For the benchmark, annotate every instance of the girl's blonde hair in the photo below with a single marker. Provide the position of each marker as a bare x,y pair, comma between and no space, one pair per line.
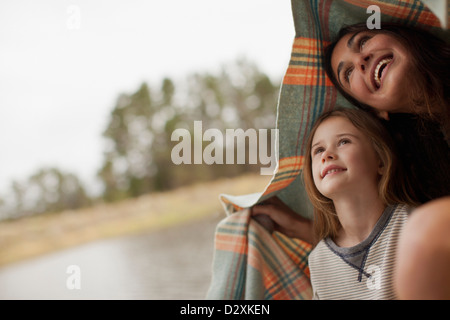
393,187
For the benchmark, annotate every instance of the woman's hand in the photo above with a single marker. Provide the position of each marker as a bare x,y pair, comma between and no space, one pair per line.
275,215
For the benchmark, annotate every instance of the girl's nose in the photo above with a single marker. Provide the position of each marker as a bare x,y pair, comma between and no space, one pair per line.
328,155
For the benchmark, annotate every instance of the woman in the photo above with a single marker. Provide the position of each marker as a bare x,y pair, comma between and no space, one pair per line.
400,74
395,69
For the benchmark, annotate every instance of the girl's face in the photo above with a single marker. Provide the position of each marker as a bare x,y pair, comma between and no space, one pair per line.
376,69
343,159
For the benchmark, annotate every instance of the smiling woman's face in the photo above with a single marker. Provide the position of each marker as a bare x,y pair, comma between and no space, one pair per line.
376,69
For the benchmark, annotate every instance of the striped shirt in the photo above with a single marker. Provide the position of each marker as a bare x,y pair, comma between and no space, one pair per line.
364,271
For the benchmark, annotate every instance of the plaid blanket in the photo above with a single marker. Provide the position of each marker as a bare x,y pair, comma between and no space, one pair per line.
263,266
250,263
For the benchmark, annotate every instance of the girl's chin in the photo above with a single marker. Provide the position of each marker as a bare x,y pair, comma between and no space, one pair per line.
330,192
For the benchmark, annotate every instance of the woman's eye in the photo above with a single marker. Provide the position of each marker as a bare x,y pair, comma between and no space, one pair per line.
362,42
347,74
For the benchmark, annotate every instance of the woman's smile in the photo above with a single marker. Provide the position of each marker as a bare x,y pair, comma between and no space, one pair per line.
381,69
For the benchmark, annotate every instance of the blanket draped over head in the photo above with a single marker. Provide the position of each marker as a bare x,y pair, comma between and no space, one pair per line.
249,262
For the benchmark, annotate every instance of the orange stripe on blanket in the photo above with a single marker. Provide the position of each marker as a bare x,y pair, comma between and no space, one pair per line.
307,51
308,43
232,232
286,175
278,186
300,71
288,170
298,77
291,163
289,166
287,280
232,243
428,18
300,252
230,205
235,206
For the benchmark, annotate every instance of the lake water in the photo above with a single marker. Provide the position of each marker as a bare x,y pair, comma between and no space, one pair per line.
169,264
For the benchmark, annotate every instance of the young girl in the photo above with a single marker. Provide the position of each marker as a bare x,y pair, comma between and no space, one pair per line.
354,183
352,179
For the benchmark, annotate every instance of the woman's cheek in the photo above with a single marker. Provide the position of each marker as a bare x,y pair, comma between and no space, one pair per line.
360,91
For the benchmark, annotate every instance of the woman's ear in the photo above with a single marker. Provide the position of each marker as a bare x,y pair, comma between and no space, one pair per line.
383,114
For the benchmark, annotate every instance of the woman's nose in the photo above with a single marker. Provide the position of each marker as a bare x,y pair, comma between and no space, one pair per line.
363,62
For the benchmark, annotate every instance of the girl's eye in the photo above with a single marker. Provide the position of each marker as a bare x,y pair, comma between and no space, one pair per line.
318,150
343,141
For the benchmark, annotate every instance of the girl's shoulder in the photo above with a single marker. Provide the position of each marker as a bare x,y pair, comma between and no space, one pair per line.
323,252
318,250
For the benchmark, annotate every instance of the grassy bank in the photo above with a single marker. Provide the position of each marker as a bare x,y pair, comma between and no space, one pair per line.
32,236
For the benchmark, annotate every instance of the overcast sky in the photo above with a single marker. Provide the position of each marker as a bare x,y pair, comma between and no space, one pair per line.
63,64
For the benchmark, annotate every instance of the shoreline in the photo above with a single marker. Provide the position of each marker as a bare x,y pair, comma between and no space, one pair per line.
33,236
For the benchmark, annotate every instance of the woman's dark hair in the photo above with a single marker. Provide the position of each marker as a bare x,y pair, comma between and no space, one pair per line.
431,57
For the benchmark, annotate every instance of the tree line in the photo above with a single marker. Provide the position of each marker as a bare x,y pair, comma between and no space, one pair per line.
137,153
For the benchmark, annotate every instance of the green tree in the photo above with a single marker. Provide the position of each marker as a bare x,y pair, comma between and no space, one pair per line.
239,96
47,190
137,158
127,167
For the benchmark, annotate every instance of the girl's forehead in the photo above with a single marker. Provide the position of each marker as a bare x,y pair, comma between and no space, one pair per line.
333,126
334,123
